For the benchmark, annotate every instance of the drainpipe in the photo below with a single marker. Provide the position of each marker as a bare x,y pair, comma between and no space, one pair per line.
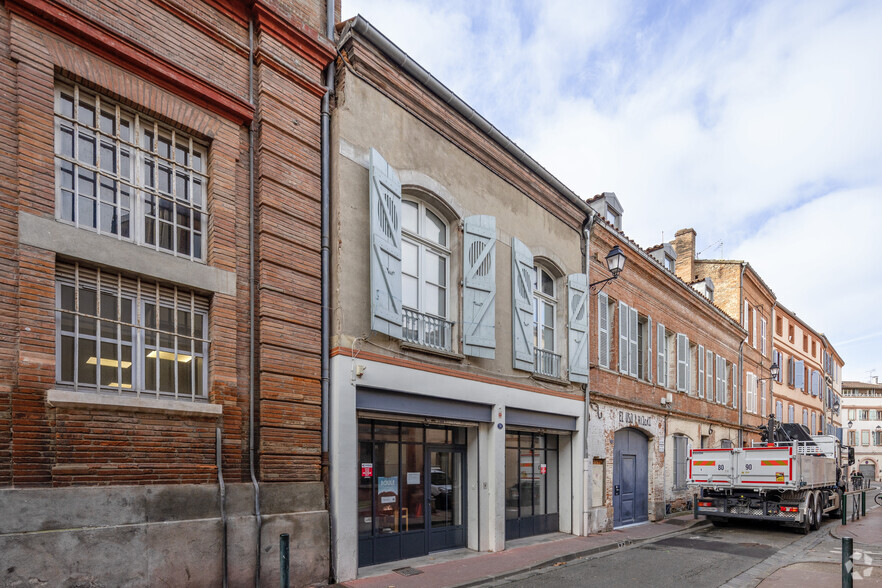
780,367
741,357
218,442
251,295
326,268
586,470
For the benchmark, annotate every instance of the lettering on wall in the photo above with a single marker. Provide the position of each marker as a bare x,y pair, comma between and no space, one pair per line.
631,418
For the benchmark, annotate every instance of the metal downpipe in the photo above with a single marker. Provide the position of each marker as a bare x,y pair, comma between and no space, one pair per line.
586,470
251,295
218,443
326,269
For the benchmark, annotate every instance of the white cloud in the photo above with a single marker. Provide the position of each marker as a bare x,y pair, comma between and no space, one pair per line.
757,125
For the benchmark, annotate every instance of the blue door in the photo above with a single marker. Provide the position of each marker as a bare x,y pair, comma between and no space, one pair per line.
630,478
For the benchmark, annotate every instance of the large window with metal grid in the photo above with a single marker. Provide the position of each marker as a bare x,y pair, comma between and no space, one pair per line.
122,174
126,336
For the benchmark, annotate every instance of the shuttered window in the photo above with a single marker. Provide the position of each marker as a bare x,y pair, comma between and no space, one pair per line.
662,356
129,337
603,343
680,454
479,286
701,371
682,363
709,374
577,324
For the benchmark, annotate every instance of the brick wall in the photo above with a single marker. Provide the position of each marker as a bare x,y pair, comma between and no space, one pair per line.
186,65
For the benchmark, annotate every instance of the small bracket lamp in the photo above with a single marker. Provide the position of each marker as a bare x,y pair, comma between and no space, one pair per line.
615,261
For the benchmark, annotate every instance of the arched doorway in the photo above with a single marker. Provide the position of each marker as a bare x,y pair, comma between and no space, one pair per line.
630,478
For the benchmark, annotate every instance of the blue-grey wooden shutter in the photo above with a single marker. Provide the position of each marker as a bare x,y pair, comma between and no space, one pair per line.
682,372
649,354
479,287
624,333
577,294
660,350
701,371
633,356
521,306
385,224
603,329
799,374
709,375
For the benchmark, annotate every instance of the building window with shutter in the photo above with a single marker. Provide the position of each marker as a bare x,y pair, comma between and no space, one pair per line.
547,362
763,335
121,174
129,336
779,411
805,420
709,375
425,272
865,437
681,452
604,312
750,392
790,414
852,437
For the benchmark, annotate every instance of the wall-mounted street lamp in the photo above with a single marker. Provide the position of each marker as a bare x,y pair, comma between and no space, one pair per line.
850,424
774,370
615,261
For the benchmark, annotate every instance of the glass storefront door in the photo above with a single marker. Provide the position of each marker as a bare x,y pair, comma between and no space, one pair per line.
411,497
531,484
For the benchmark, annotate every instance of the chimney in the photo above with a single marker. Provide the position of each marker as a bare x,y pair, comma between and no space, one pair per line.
684,245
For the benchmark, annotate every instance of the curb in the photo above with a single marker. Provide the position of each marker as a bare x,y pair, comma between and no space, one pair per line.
576,555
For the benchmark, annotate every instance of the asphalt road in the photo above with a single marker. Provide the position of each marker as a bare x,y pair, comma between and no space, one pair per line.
705,557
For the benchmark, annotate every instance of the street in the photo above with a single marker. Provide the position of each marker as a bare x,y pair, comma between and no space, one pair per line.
737,556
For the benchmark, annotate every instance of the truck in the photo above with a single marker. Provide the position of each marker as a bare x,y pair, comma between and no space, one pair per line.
790,477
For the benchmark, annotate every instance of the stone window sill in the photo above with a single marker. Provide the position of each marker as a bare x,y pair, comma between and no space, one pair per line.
90,400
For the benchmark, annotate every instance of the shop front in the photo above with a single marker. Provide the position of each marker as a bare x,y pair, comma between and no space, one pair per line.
531,484
411,490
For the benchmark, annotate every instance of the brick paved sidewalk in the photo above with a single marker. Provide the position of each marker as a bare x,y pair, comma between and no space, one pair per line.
468,568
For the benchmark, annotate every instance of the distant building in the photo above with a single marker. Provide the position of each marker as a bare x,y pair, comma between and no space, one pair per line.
862,407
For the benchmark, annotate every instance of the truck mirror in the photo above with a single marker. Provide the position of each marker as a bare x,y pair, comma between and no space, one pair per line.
851,456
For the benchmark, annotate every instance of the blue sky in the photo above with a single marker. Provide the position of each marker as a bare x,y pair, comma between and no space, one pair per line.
758,124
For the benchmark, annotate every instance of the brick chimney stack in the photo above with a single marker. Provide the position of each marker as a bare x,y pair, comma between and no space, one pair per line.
684,245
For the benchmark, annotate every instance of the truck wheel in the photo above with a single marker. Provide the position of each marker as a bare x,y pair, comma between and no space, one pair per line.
808,520
819,512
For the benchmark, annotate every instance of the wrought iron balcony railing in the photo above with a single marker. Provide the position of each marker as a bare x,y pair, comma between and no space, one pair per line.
428,330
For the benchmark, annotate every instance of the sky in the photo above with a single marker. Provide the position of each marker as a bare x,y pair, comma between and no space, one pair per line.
758,124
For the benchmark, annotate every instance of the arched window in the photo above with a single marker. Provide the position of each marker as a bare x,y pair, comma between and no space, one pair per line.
544,322
425,265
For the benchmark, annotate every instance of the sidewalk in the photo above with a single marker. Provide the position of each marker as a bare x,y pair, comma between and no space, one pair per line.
469,568
867,536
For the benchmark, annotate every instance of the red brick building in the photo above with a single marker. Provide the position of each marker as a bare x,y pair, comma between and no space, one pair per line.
664,366
161,275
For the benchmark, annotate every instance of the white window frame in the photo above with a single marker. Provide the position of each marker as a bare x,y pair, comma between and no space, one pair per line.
144,342
118,133
539,300
425,246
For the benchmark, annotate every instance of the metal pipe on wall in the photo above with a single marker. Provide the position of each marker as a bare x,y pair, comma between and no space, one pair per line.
251,295
223,496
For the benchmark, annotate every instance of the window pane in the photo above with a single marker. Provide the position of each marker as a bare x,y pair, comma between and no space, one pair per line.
126,365
435,228
66,105
410,258
67,298
164,179
87,361
410,217
86,148
512,489
109,363
182,187
197,160
67,358
547,284
86,114
108,157
181,154
166,372
433,300
197,193
199,376
166,236
108,122
66,142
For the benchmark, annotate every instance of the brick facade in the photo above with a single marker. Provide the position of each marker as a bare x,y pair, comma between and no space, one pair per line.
186,66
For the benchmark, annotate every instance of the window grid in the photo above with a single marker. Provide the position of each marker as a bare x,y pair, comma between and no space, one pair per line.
115,340
544,310
114,165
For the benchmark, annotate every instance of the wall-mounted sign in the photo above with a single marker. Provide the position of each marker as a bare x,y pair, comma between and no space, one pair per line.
542,468
367,470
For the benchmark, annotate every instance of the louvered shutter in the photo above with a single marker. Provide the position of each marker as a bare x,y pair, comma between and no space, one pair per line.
660,351
385,210
633,327
603,329
791,371
577,294
799,373
754,328
682,349
688,389
623,337
763,336
746,311
479,287
701,371
718,390
521,305
649,355
709,375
